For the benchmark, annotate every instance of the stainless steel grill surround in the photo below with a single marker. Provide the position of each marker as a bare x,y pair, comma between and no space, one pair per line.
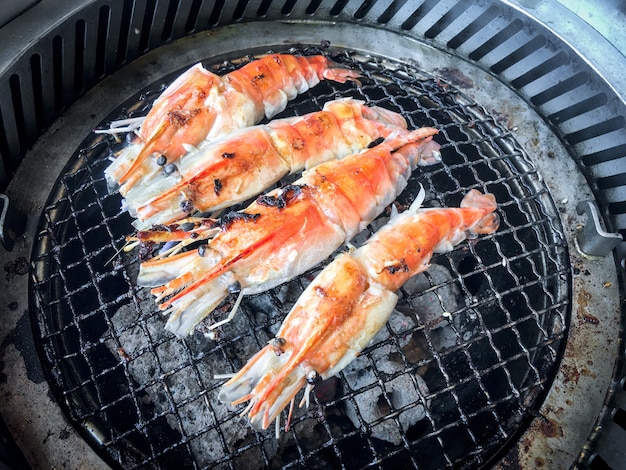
513,60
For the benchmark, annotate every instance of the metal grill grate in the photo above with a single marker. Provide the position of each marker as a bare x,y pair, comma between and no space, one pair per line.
448,382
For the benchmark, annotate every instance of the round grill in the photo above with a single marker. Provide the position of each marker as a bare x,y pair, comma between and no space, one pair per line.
455,374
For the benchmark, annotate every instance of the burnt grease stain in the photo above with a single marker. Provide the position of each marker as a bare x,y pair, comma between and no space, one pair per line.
217,186
398,267
455,77
550,428
282,198
231,217
17,267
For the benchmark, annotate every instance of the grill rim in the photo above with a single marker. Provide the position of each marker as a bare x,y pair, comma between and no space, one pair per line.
618,265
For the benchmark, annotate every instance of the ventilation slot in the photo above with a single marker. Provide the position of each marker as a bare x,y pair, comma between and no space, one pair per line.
620,418
475,26
4,153
37,95
192,18
602,156
122,46
577,109
146,27
18,110
498,39
613,181
596,130
216,13
615,208
170,17
334,11
363,10
391,11
101,42
264,8
598,463
418,14
79,41
540,70
57,72
518,55
288,7
560,88
446,20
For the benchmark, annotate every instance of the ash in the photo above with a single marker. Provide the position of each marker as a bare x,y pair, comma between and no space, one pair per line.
177,394
389,407
174,379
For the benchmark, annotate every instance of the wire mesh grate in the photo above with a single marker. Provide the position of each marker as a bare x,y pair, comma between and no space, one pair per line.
447,383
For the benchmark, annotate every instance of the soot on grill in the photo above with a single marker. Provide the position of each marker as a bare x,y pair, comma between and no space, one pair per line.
460,366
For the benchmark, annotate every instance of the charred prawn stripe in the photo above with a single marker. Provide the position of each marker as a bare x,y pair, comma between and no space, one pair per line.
230,217
190,229
280,200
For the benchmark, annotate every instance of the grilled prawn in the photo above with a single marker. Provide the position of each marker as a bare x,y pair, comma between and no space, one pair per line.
348,303
247,162
283,233
201,105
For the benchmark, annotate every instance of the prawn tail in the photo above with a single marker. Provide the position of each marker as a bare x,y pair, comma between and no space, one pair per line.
486,225
185,298
131,175
120,165
416,146
340,74
240,387
487,202
429,153
160,272
385,116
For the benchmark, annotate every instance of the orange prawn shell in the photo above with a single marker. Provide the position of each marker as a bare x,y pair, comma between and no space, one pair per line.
242,97
252,155
307,336
265,240
408,247
248,161
263,79
181,107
